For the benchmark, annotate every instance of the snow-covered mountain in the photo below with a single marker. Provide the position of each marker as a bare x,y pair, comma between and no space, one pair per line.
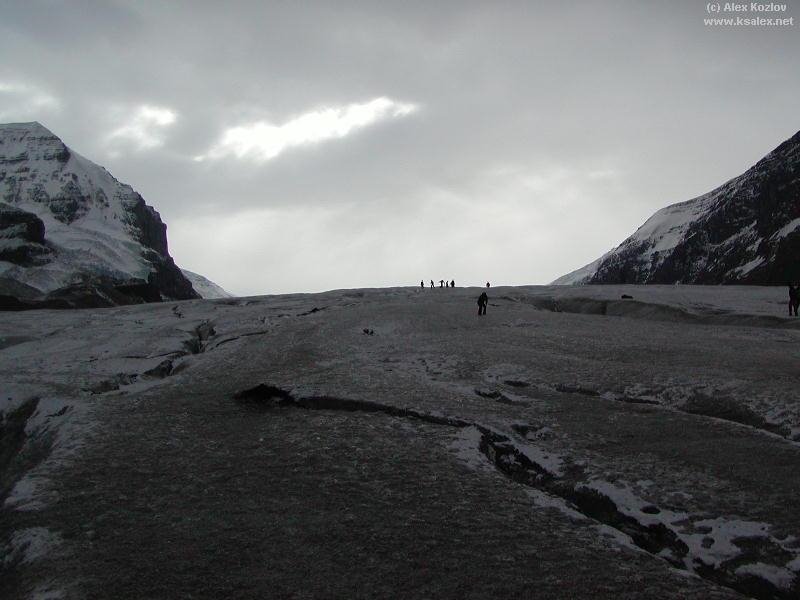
745,231
205,287
582,275
70,233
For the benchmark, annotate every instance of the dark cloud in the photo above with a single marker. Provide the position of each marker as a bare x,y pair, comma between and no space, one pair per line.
544,134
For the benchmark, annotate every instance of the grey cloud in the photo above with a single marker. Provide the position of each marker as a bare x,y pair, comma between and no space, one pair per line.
642,90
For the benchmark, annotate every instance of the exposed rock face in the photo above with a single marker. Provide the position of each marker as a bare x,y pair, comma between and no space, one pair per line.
21,237
147,226
21,224
746,231
68,227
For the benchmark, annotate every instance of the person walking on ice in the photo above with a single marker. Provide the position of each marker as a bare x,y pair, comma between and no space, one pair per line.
794,299
483,300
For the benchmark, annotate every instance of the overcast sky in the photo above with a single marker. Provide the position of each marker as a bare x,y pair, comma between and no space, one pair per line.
303,146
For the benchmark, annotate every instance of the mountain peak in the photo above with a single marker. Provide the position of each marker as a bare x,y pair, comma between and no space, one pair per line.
33,127
28,141
95,227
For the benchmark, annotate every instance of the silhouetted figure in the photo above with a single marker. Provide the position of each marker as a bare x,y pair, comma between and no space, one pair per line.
794,299
487,284
432,284
441,283
453,283
483,300
422,284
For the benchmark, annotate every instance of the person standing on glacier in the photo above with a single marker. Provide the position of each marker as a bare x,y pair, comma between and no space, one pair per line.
794,299
483,300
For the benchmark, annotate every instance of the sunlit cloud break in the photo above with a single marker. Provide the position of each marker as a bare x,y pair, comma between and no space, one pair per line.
262,141
144,128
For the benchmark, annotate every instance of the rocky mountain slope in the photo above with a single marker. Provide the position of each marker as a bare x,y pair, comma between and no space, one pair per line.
71,234
205,287
745,231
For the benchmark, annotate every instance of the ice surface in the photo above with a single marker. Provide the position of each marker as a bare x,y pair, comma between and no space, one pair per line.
564,387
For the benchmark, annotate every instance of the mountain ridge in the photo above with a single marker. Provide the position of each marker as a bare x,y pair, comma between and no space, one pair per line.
746,231
207,289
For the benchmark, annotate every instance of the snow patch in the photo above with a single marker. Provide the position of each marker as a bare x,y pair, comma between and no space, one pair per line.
466,446
26,494
749,266
777,576
32,544
711,542
549,461
790,227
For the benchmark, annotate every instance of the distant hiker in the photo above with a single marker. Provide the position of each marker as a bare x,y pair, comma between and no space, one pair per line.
422,284
441,283
794,299
487,284
432,283
483,300
453,283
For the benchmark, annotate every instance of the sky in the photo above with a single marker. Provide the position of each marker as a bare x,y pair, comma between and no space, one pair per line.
304,146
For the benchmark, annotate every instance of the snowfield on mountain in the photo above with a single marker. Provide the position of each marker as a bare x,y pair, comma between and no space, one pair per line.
391,443
205,287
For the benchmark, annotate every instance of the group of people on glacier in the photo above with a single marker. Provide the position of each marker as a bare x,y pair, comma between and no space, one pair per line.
483,299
